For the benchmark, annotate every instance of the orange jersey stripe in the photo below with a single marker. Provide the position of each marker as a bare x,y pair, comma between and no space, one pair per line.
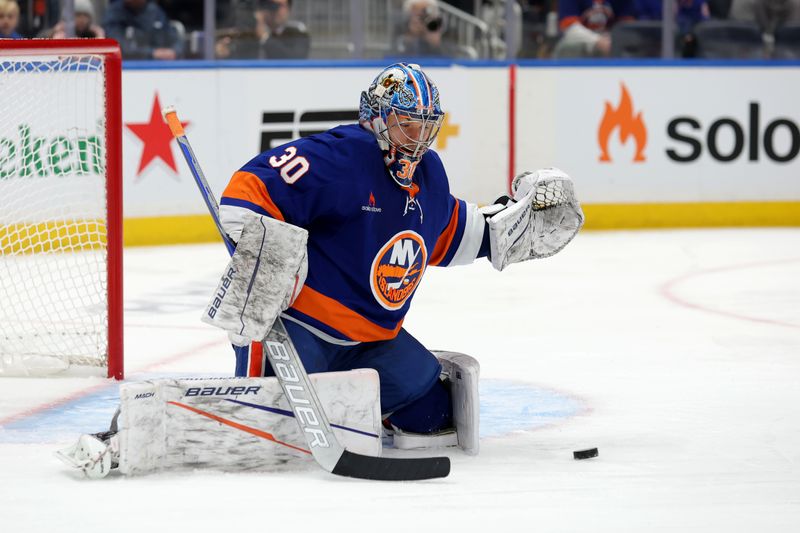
342,319
256,367
248,187
445,239
566,22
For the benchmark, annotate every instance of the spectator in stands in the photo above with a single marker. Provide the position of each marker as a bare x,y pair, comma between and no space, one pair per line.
467,6
719,9
586,24
37,16
539,28
191,12
768,14
143,30
421,32
273,37
9,19
687,14
85,28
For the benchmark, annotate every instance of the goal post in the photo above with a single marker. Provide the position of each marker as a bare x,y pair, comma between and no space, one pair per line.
60,206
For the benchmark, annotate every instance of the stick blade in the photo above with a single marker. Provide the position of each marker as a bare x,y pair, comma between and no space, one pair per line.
390,469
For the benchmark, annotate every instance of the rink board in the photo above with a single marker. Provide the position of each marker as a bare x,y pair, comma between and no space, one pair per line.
648,146
693,135
234,114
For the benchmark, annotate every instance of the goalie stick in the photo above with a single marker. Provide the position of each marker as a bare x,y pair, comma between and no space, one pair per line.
292,376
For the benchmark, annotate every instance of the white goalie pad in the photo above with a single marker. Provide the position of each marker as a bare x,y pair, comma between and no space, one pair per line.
236,424
263,278
462,373
542,220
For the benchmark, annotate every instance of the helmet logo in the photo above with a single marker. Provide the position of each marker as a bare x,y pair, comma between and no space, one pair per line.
390,81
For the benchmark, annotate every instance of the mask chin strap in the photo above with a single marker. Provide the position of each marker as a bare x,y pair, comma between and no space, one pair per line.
401,169
392,165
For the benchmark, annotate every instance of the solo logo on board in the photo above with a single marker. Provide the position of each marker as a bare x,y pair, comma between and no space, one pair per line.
624,120
725,139
694,137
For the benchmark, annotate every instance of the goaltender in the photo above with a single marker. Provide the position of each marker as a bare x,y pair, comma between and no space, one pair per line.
375,202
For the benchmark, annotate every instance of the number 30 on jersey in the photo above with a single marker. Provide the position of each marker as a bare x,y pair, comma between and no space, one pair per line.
293,166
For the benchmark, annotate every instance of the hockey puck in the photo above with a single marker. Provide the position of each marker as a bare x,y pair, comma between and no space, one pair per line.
585,454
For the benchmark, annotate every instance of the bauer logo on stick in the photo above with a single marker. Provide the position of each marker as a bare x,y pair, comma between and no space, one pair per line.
299,397
397,269
222,290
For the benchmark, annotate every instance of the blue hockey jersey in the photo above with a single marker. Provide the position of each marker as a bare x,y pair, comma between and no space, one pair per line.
370,240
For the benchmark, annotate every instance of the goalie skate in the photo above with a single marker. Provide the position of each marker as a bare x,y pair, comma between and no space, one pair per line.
461,373
405,440
95,455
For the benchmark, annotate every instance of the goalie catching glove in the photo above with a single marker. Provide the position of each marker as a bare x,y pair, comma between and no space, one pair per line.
540,219
263,279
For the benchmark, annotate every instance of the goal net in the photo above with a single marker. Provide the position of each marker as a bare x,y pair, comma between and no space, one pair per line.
60,207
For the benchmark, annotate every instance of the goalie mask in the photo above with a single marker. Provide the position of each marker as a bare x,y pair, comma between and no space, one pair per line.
401,108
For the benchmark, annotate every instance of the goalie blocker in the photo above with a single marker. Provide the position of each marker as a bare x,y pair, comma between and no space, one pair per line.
264,276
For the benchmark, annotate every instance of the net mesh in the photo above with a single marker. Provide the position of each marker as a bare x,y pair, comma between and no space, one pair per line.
53,265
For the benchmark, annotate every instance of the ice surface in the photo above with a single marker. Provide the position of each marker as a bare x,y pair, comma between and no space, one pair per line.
676,353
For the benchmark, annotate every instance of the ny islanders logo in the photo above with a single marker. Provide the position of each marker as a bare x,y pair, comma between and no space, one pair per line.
397,269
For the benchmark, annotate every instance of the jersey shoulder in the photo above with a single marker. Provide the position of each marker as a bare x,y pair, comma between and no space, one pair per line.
435,175
338,156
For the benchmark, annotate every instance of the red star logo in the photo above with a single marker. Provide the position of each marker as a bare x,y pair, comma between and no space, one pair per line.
157,139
